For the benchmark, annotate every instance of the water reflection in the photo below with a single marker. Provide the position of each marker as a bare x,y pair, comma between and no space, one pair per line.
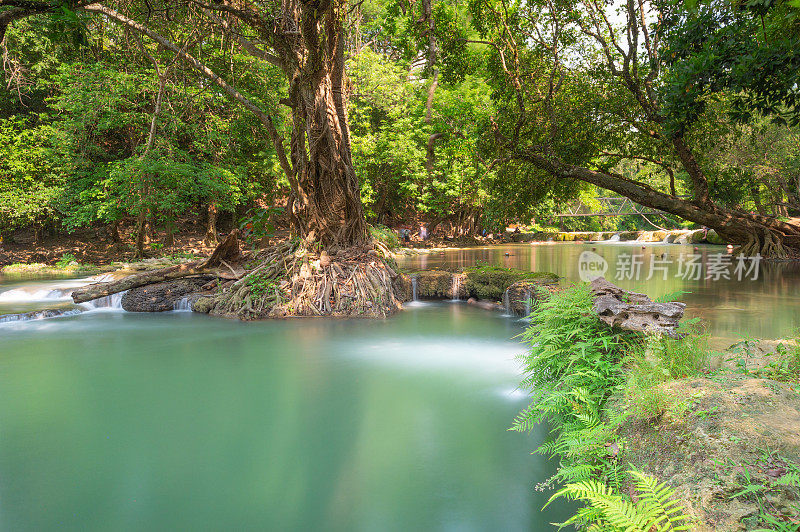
767,307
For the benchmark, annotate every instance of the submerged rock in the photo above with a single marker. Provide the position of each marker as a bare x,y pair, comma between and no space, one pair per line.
488,283
162,297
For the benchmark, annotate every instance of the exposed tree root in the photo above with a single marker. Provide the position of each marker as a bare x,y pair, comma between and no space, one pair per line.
769,244
289,280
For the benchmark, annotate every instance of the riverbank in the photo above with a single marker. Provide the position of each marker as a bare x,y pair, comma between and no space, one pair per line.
694,236
719,429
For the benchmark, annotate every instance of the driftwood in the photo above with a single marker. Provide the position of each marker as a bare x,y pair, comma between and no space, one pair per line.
634,312
215,264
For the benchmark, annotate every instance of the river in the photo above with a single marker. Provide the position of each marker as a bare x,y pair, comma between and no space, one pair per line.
121,421
177,421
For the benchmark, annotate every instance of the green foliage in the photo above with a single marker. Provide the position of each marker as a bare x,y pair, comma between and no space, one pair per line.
261,285
258,224
385,236
65,260
572,368
782,364
747,50
655,509
575,366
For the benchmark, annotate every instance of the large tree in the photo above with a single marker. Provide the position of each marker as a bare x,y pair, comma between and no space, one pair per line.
305,39
580,88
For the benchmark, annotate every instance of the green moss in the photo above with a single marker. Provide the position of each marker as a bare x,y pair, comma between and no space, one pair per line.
489,282
434,284
714,238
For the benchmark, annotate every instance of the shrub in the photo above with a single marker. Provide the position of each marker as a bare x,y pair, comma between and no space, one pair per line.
385,236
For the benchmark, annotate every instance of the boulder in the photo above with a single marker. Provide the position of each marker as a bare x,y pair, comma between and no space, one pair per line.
402,287
434,284
163,296
713,238
635,312
491,282
523,296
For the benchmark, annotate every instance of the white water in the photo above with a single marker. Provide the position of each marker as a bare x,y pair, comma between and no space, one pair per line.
507,303
38,315
413,288
456,288
40,291
182,305
42,298
614,238
112,302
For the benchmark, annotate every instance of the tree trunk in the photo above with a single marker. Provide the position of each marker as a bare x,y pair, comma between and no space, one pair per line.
754,233
211,236
140,233
113,232
326,203
308,45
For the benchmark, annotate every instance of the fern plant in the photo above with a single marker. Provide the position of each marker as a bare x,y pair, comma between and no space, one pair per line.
573,365
655,509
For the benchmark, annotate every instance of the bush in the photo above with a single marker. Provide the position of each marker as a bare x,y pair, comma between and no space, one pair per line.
385,236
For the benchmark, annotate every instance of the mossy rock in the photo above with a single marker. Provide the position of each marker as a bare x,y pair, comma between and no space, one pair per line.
523,296
713,238
434,284
697,236
490,282
203,305
628,235
402,287
652,236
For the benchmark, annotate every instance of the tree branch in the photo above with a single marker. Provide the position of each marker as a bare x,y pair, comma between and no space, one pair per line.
265,119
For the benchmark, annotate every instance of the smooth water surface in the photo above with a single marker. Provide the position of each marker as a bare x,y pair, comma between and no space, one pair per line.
175,421
120,421
768,307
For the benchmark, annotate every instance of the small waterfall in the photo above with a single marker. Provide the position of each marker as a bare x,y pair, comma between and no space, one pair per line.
38,315
182,305
507,302
413,288
456,287
48,294
114,301
614,238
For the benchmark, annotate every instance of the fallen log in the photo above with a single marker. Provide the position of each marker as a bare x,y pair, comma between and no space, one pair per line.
225,251
634,312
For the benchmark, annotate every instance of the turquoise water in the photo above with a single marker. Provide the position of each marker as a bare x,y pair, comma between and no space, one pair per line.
176,421
120,421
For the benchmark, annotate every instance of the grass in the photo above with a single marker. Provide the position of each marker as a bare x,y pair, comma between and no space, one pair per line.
66,265
781,365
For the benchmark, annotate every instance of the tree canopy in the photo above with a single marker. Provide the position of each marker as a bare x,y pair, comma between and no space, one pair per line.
465,116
